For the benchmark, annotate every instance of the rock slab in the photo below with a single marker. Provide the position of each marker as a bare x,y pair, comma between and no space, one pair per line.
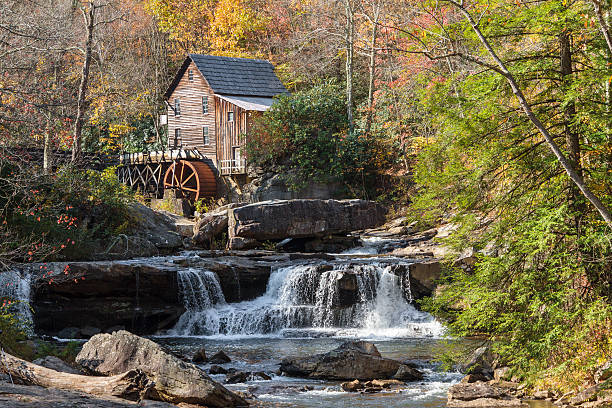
280,219
480,394
175,380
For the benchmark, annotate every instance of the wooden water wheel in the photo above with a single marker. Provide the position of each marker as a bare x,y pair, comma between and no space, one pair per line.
191,180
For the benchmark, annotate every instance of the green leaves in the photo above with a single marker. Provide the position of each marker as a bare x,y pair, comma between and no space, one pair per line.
305,137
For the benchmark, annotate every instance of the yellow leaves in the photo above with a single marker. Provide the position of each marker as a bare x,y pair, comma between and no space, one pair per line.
116,132
417,143
221,27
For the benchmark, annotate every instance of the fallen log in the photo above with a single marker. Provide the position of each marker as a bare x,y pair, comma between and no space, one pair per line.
132,385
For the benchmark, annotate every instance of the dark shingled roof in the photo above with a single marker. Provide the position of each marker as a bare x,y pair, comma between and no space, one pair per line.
233,76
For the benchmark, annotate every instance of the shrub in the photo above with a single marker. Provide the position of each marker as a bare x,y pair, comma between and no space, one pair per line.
306,136
58,216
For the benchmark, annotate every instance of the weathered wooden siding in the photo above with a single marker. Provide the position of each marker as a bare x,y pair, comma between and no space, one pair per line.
191,119
229,134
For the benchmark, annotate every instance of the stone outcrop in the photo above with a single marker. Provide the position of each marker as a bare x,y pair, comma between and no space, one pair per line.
210,227
98,296
149,233
277,220
175,380
156,227
352,360
480,394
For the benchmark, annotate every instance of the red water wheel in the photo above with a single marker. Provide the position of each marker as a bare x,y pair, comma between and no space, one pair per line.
191,180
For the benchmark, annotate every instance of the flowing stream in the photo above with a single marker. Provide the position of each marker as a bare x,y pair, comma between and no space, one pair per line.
311,308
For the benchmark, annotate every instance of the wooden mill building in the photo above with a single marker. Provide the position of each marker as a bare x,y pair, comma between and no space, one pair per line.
211,104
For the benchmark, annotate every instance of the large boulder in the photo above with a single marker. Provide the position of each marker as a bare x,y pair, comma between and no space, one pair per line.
276,220
176,381
156,227
210,227
352,360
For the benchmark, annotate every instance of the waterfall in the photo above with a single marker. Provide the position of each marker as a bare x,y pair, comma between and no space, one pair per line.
201,291
369,298
15,288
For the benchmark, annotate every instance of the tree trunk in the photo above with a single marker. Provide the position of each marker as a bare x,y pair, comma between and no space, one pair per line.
350,34
516,90
47,149
89,17
604,22
132,385
572,140
372,66
571,137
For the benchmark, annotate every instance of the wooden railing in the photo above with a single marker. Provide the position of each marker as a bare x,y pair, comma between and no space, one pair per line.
232,166
161,156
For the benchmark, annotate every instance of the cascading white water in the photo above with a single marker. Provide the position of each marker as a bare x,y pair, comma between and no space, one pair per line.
201,291
377,302
15,288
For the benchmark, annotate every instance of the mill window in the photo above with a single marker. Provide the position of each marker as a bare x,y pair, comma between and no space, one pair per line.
205,104
177,107
177,138
205,135
230,116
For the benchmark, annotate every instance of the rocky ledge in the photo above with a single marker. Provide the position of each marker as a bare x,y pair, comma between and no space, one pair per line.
81,299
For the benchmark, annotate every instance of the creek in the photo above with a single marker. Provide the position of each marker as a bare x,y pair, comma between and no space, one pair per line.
303,312
308,307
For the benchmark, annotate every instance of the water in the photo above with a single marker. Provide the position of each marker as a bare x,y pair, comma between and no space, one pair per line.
347,299
201,291
311,308
375,245
15,288
263,353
